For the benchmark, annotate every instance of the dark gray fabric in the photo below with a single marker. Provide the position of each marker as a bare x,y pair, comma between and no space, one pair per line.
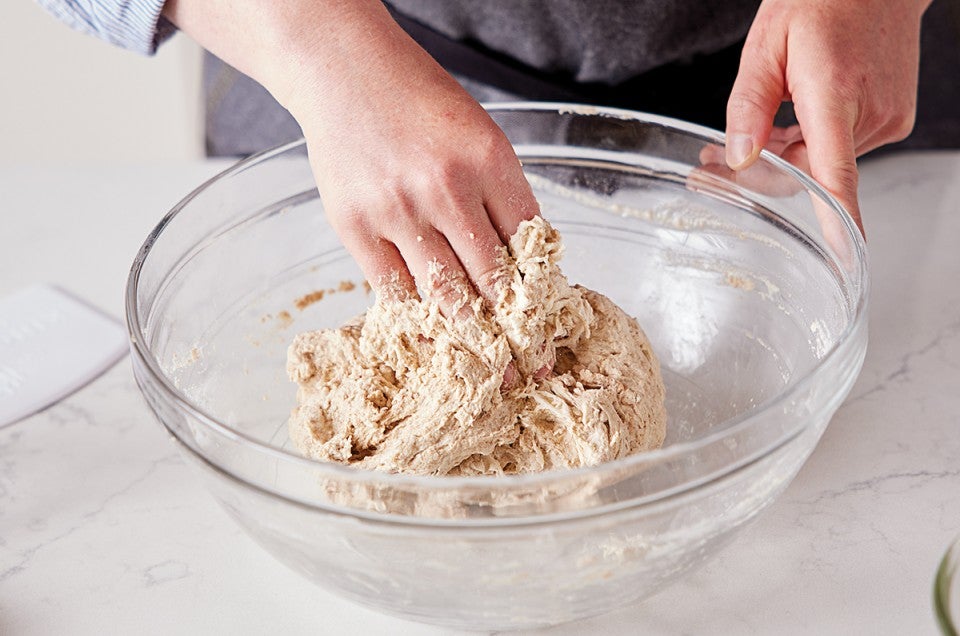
938,96
694,88
240,116
608,41
675,58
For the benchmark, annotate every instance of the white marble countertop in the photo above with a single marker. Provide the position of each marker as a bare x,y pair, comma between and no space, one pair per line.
104,530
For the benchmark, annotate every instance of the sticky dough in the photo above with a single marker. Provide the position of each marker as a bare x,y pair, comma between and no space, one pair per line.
405,389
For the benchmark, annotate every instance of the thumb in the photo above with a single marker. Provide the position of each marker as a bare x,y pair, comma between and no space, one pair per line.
754,100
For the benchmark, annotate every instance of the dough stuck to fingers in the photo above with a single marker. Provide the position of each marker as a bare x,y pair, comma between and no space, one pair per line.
406,389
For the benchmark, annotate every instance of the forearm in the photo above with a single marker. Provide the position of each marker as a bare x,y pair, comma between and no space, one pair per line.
293,48
413,173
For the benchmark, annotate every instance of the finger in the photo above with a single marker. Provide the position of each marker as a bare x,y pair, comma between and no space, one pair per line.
761,177
711,154
780,138
756,95
796,154
828,127
508,198
382,265
438,271
479,249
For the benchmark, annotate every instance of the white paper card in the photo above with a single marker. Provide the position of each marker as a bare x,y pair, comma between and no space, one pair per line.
51,344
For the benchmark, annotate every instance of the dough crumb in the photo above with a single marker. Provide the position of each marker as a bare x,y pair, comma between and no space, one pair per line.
404,389
308,299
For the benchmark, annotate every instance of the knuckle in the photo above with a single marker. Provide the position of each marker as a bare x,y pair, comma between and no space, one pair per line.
842,175
451,290
373,213
446,175
854,86
491,281
347,217
393,205
439,173
747,101
901,124
493,147
443,288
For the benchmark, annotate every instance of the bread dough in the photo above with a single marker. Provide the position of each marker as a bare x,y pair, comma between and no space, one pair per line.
405,389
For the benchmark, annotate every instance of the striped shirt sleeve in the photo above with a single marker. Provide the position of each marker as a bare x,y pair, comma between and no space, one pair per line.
132,24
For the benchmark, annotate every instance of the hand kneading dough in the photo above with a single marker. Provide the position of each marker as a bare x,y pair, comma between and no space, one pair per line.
404,389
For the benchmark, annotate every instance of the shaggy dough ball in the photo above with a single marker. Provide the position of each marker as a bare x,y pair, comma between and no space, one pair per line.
404,389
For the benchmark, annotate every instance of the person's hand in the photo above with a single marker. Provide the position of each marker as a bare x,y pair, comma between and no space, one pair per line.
850,69
416,178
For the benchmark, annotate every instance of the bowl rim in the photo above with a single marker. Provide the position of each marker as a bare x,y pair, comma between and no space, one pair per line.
431,482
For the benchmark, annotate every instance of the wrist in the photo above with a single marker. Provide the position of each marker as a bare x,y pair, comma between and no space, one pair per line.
312,53
289,47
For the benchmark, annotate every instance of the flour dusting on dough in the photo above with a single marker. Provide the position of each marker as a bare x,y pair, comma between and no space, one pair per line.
405,389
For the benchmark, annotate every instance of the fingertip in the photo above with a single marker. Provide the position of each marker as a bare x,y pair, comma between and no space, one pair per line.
741,150
754,100
711,154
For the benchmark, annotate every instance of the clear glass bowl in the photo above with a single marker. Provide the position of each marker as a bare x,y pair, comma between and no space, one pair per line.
751,288
946,591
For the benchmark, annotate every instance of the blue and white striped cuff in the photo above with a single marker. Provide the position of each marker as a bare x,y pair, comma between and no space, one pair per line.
132,24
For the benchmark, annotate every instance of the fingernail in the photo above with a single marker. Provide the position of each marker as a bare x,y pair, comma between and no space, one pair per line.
739,150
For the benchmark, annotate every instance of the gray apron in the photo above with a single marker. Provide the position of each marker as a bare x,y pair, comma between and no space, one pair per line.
626,53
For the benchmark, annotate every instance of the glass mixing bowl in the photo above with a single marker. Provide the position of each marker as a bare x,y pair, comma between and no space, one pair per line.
946,591
752,289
